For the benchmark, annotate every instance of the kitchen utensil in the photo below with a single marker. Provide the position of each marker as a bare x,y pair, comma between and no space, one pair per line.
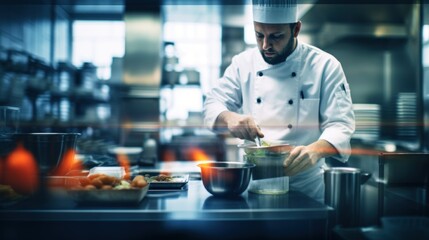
272,148
268,176
342,192
48,149
226,178
258,141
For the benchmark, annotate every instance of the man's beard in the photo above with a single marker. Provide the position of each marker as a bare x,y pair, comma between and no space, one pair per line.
282,55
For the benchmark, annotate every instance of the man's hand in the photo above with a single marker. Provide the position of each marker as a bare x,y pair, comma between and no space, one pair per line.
240,126
303,157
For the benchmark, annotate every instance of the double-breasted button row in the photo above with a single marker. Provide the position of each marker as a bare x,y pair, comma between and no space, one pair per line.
259,100
260,74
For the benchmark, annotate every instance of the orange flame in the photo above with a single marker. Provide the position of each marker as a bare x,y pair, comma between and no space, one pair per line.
21,171
124,162
67,164
168,155
197,154
1,171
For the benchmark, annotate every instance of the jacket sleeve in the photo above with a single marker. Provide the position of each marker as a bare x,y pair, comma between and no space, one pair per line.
225,95
337,120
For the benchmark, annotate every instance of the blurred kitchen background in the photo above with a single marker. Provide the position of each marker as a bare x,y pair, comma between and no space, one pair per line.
134,73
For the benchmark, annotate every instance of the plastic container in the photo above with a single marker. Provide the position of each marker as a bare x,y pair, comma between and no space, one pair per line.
268,176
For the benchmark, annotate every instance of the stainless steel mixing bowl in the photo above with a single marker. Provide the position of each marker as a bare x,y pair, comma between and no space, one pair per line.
47,148
226,178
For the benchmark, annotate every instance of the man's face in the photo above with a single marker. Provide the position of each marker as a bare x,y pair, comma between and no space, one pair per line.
275,41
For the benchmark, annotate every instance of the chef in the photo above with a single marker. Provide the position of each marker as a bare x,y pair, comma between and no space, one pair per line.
286,90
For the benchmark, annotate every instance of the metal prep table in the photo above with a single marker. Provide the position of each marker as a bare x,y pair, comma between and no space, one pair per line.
191,213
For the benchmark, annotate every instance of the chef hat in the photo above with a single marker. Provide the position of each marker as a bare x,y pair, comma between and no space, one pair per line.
275,11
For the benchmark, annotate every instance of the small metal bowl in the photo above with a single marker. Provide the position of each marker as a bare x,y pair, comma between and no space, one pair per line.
226,179
274,148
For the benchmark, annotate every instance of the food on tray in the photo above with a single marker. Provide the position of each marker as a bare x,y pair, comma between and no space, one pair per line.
139,181
162,178
165,178
106,182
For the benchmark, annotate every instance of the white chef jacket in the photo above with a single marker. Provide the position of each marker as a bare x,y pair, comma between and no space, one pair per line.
301,100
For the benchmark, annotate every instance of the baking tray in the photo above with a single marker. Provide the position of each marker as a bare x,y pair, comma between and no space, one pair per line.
71,184
110,196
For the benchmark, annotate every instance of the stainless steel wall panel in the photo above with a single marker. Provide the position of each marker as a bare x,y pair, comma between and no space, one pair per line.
142,60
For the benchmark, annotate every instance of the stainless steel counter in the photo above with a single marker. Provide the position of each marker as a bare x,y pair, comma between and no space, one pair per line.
191,213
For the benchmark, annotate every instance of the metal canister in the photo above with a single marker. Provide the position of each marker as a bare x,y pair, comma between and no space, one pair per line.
342,192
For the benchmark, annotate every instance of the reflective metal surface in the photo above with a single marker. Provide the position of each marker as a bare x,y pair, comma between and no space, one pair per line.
190,214
142,61
48,148
342,192
226,178
192,204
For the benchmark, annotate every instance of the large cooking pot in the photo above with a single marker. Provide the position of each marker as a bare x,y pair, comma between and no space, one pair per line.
342,192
